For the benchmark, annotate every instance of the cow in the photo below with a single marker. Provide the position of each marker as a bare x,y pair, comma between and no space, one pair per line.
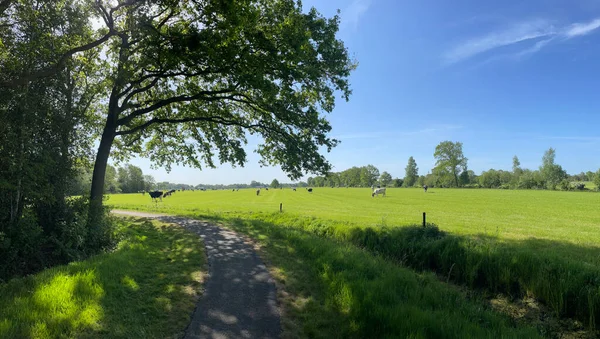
425,188
378,191
258,191
156,195
294,189
309,190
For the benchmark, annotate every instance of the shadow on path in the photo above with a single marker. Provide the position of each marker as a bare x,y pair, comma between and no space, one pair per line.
240,299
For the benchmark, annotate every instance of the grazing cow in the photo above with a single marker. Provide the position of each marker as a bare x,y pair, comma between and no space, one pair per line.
266,188
258,191
294,189
378,191
309,190
156,195
425,188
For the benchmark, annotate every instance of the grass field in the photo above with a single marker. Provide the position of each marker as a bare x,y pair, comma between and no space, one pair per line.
544,244
147,288
512,214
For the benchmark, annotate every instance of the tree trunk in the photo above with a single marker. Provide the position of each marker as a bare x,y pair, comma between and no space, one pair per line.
108,136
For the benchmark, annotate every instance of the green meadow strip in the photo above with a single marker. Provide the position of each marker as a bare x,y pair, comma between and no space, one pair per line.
146,288
336,290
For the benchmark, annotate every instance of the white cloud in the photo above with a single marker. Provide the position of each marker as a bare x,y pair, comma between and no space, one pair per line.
579,29
351,15
533,49
541,32
534,29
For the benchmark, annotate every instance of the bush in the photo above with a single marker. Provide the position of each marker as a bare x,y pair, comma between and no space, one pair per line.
28,247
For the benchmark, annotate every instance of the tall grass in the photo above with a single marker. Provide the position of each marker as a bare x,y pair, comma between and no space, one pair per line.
147,288
336,290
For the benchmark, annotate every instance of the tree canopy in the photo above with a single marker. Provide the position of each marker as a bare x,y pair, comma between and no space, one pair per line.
411,173
385,178
275,183
450,159
188,81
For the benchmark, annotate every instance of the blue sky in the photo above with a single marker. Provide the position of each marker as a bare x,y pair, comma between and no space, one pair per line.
503,77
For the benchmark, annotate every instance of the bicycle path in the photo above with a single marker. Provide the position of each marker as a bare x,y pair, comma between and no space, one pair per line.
240,298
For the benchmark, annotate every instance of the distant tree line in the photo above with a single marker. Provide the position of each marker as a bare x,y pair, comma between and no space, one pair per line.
451,171
126,179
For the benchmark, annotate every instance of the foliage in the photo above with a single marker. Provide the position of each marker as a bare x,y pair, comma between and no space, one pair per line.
275,183
146,288
29,246
385,179
597,179
450,160
411,173
495,179
46,134
398,182
190,80
365,176
131,179
552,173
111,185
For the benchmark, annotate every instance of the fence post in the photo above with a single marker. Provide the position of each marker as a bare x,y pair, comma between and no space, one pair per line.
424,219
280,207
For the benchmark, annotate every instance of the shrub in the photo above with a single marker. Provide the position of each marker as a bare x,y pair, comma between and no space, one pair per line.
28,247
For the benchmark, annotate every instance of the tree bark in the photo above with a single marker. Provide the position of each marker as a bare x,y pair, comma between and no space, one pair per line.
108,136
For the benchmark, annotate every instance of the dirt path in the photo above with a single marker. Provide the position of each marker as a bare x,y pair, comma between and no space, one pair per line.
240,300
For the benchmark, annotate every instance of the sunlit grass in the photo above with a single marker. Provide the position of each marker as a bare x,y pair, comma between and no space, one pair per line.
147,288
335,290
511,214
543,244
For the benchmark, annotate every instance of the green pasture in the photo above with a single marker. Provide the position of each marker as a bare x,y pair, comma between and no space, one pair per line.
544,244
510,214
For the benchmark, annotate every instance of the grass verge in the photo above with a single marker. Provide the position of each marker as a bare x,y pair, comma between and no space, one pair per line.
146,288
336,290
570,288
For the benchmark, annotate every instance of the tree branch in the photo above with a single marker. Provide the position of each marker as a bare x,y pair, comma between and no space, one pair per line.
164,76
214,119
137,91
25,78
4,4
205,95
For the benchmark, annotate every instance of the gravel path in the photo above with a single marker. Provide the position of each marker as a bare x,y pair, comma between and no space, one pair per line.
240,299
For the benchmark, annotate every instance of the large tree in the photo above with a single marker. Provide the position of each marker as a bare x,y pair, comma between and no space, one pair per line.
450,159
596,179
275,183
551,172
411,173
368,175
385,178
190,79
